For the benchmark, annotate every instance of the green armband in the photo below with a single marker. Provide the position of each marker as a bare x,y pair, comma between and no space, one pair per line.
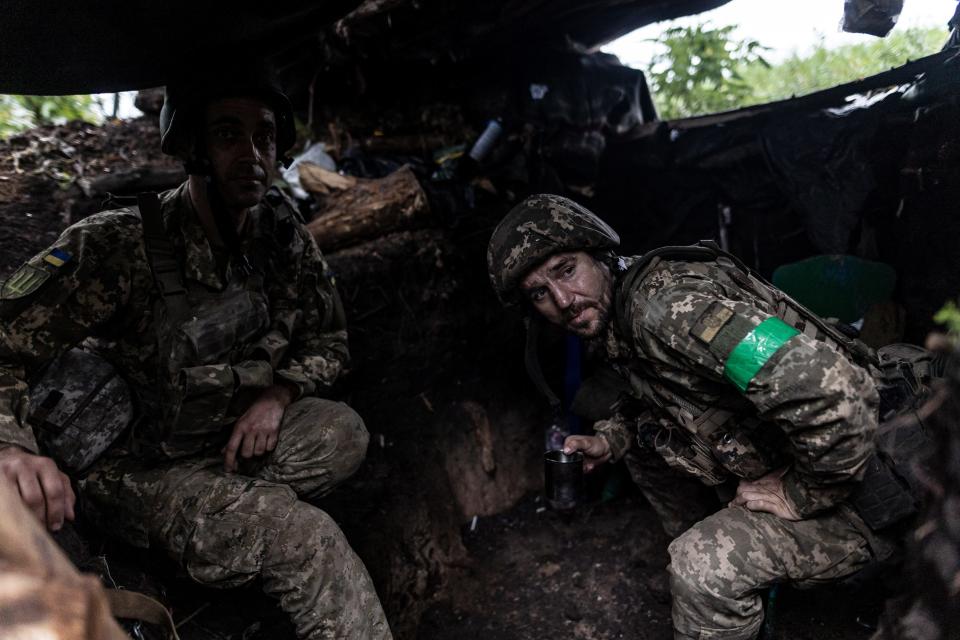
753,351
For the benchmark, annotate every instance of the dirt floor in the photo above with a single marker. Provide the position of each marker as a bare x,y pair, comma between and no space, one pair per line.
599,574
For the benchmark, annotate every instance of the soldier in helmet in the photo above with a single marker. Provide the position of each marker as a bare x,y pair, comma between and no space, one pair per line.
214,305
729,381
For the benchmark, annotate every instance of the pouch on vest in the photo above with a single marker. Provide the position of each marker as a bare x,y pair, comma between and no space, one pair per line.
891,489
739,447
203,382
78,408
682,451
906,372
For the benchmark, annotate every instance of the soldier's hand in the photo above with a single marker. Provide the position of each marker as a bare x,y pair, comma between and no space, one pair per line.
595,449
43,487
766,494
256,432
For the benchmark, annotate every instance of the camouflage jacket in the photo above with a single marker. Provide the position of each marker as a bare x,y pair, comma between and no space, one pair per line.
793,400
245,332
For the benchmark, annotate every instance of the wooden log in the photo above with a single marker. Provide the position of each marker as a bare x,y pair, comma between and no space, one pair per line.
147,178
359,209
316,179
388,253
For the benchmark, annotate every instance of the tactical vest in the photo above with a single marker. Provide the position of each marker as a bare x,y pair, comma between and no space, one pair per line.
217,349
718,443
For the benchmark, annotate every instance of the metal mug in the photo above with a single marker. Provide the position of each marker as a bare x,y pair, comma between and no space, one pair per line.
563,479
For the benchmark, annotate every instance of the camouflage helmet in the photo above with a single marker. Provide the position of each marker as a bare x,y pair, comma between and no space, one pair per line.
185,96
536,229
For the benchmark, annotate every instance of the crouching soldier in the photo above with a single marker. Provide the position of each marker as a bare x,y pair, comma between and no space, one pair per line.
735,384
209,331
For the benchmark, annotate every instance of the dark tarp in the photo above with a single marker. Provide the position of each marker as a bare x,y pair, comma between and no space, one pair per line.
822,163
868,169
51,47
815,159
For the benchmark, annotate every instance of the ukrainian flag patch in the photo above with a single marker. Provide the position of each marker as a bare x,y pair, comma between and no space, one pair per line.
57,257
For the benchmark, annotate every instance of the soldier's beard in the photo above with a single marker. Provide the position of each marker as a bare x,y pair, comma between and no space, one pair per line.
590,327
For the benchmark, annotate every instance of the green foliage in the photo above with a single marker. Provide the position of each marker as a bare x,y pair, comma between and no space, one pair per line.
700,70
823,68
705,70
22,112
949,317
13,117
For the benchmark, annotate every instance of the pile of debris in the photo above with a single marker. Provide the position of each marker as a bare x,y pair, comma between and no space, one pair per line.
53,176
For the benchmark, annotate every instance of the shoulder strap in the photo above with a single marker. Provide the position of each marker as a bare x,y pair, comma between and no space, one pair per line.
162,256
137,606
532,361
704,251
284,207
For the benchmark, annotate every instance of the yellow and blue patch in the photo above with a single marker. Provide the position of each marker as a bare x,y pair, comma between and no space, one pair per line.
57,257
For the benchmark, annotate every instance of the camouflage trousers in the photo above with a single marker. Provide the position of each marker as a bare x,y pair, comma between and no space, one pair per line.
228,529
679,499
720,567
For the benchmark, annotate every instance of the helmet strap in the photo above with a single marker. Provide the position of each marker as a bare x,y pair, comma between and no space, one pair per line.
531,359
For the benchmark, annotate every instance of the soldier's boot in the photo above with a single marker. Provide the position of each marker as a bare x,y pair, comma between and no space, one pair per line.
720,567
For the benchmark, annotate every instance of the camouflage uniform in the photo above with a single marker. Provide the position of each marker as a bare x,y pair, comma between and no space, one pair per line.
807,406
164,486
733,381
